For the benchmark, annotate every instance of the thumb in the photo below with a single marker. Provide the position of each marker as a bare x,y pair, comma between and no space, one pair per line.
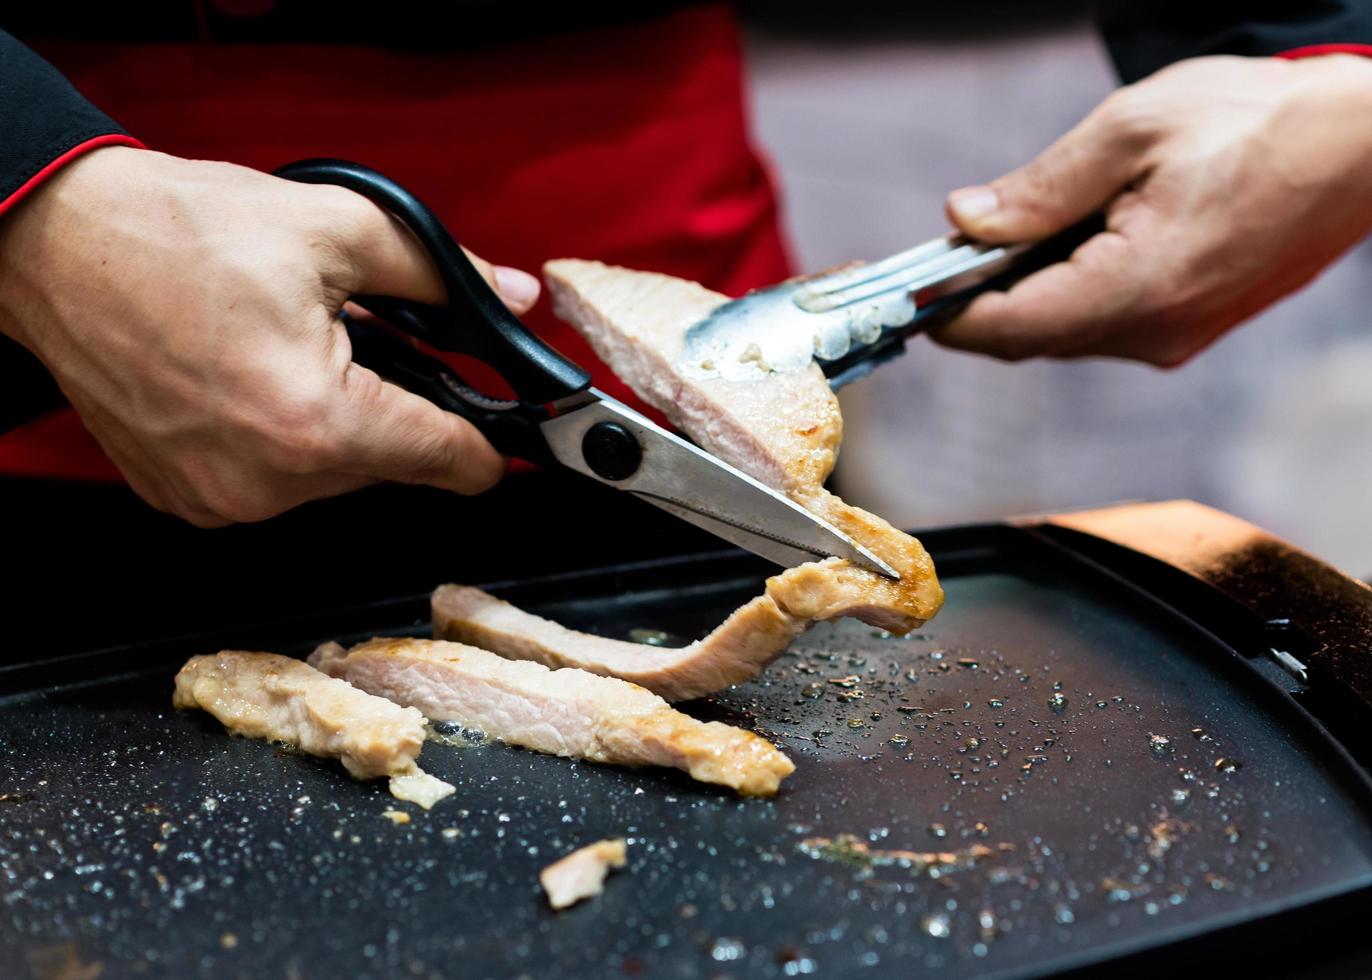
1077,175
390,434
384,258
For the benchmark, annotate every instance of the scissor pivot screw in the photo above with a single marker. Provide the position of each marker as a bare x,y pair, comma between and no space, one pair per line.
611,451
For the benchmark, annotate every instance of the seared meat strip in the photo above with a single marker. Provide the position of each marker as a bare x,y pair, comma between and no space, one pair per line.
783,429
737,650
581,874
561,712
265,695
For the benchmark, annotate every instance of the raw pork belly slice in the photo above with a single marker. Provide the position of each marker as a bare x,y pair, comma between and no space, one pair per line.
581,874
737,650
562,712
265,695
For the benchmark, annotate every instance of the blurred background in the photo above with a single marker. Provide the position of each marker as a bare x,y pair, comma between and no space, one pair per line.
869,121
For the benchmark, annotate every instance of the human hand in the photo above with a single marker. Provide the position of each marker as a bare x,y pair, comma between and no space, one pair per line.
190,312
1226,182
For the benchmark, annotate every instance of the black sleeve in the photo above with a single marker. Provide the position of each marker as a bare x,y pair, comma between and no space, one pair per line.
1145,36
41,117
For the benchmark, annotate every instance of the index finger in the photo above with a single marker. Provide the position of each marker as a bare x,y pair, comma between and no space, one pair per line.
379,254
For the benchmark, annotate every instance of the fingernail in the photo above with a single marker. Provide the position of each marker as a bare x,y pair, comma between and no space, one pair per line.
516,285
971,203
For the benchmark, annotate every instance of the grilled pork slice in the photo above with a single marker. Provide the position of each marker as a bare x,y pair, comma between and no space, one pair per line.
581,874
737,650
265,695
561,712
783,429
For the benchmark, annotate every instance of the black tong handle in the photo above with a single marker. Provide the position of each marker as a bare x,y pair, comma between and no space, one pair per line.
475,321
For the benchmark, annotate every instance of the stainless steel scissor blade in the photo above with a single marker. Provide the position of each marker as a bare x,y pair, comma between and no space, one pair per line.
606,440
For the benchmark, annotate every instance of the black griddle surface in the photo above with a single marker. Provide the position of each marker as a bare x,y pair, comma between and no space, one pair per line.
151,843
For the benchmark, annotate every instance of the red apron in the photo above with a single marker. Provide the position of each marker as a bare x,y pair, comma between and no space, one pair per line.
626,144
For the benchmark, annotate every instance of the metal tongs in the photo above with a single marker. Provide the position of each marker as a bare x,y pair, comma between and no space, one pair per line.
858,317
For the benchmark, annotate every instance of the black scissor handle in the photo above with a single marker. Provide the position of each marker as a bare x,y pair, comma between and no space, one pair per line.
512,427
476,321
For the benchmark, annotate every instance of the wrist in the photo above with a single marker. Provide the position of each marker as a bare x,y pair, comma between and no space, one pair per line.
11,197
39,234
1349,81
1326,147
78,187
1347,78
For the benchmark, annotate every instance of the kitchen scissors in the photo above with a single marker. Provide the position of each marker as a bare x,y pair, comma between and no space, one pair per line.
557,418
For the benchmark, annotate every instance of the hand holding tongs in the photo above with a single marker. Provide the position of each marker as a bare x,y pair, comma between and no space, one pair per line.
557,418
856,318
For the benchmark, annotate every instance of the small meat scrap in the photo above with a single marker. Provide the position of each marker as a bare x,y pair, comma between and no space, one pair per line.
265,695
581,874
564,712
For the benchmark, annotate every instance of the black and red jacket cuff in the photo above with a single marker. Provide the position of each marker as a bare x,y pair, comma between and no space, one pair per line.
1143,37
44,122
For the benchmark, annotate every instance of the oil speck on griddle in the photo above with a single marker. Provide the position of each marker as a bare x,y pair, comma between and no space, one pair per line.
453,735
1160,746
656,638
